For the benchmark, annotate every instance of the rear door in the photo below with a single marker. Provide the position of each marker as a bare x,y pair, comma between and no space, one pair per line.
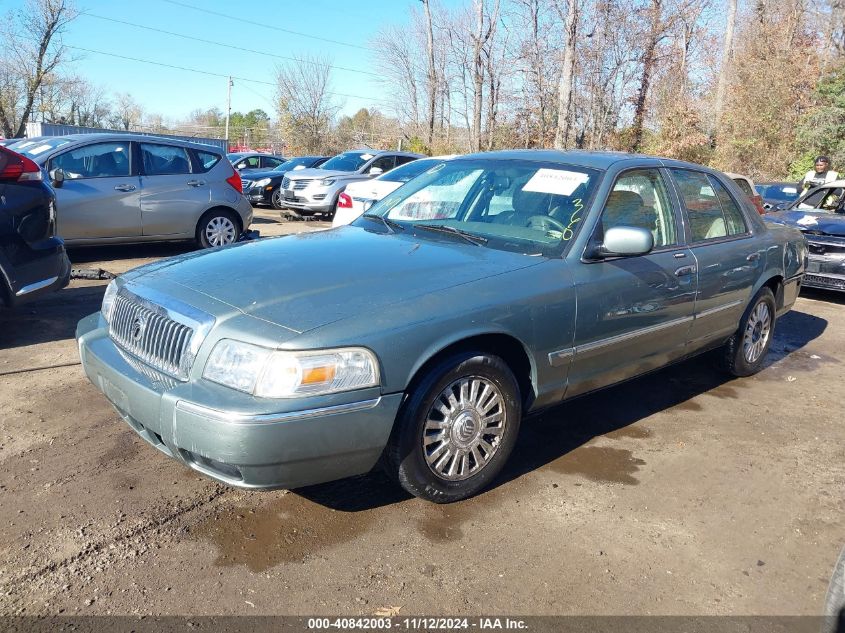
172,197
634,313
728,259
100,196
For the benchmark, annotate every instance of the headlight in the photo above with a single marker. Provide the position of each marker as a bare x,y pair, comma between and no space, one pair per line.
261,183
268,373
327,181
108,299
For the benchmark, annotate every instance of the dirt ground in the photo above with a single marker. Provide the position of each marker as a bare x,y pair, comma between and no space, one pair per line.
678,493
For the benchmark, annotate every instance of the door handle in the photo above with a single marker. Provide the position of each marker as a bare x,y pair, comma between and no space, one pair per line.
679,255
685,271
196,183
124,188
753,257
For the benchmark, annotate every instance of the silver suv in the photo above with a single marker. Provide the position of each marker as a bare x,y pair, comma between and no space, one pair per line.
313,191
115,188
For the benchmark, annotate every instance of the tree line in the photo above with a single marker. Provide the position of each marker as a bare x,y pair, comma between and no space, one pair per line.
750,86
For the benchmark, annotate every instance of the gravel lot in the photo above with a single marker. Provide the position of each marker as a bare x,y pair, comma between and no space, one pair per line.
678,493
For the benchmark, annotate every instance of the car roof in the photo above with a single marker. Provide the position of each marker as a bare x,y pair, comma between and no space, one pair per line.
582,158
379,152
106,136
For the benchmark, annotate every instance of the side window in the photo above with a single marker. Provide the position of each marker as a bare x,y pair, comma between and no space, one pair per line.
704,211
164,160
385,163
640,198
100,160
253,162
207,159
270,162
401,160
734,221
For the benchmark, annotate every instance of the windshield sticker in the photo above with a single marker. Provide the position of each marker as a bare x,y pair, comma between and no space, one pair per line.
807,220
366,156
555,181
790,190
569,231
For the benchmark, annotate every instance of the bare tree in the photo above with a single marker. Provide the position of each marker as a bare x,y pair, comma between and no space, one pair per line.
657,28
31,51
305,103
432,72
567,77
727,56
127,112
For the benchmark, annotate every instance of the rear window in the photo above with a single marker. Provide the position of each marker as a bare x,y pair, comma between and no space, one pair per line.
207,160
712,212
164,160
743,184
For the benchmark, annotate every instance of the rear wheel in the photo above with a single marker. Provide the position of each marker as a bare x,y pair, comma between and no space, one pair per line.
276,198
745,352
457,428
218,227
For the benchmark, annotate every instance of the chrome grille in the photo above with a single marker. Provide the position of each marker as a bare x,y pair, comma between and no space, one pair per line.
146,331
285,183
299,185
245,184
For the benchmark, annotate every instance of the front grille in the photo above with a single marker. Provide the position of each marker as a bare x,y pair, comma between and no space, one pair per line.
299,185
245,184
145,331
285,183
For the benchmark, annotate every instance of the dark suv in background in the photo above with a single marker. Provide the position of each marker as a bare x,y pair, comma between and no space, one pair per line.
32,259
265,187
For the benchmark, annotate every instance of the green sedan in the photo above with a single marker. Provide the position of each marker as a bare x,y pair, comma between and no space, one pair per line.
418,337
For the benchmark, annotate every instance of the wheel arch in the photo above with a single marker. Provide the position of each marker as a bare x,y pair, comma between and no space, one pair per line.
505,345
220,207
774,282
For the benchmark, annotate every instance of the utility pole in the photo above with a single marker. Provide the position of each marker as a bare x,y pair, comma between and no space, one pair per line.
228,106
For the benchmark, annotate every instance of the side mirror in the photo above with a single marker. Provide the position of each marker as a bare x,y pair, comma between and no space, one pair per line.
626,241
57,176
240,165
375,171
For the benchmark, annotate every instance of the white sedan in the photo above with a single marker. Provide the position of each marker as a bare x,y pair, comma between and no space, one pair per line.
360,196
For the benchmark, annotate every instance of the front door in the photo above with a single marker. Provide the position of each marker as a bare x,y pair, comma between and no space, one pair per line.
634,313
100,195
729,260
172,198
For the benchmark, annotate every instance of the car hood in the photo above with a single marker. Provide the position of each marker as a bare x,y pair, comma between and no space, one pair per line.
372,189
304,281
808,221
299,174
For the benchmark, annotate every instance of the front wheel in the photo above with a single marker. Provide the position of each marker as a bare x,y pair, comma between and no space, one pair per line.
745,352
276,198
218,227
457,428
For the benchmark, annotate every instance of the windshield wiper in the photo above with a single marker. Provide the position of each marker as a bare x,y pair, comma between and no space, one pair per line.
472,238
390,224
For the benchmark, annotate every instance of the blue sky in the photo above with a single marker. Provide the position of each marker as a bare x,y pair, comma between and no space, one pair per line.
175,93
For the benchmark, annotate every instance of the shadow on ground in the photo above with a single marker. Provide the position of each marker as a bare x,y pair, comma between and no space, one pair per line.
50,318
86,254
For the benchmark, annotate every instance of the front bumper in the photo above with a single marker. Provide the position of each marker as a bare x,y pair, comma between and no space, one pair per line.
260,194
246,445
312,199
825,266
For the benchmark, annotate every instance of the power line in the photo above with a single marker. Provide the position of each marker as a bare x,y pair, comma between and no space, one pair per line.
197,70
232,46
266,26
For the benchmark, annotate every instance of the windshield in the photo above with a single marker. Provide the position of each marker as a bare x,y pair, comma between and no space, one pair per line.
516,205
409,171
826,199
348,161
293,162
33,148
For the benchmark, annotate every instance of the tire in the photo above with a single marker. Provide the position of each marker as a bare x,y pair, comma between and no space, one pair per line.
276,199
445,452
745,352
218,227
834,604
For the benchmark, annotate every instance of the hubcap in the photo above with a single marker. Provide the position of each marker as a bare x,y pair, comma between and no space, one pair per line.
277,198
464,428
220,231
757,332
